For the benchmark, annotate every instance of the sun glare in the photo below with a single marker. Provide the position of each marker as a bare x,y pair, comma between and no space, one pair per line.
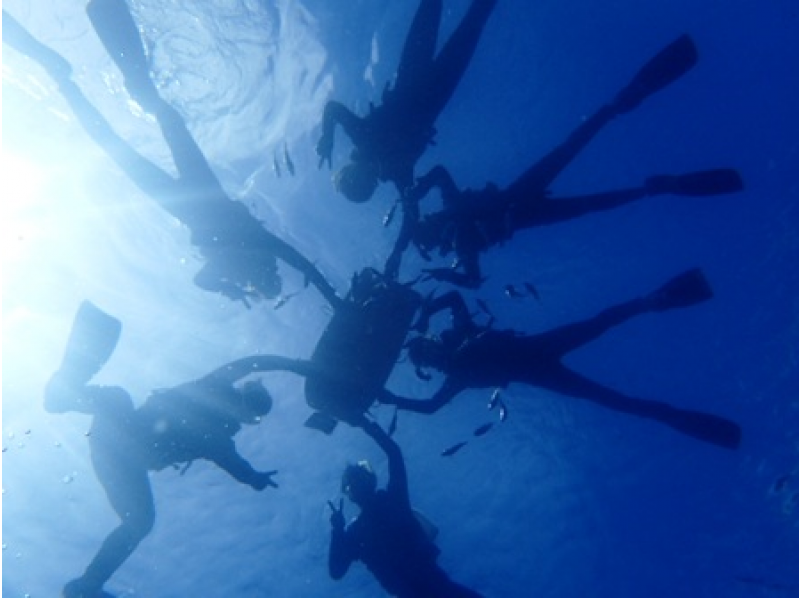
20,183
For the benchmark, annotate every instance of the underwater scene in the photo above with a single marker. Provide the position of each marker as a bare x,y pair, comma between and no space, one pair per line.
431,298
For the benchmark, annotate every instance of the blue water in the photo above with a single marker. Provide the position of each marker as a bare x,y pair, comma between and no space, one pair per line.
562,499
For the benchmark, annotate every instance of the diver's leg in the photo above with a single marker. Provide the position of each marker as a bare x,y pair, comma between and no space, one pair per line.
454,57
117,460
533,183
16,36
562,340
420,44
152,180
130,496
120,36
703,426
145,175
551,210
686,289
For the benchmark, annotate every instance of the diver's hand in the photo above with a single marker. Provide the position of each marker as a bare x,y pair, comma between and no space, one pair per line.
325,150
264,479
337,515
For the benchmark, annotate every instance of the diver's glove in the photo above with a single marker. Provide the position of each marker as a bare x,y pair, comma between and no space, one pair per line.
264,479
337,515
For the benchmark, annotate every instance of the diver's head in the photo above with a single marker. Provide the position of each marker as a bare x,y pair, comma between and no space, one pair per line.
359,482
239,275
426,351
356,181
255,402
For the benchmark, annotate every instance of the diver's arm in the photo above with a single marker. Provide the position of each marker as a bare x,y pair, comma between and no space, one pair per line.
243,367
335,113
226,458
398,478
443,396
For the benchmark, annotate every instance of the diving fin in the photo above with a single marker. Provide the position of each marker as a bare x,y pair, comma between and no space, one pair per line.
661,70
688,288
704,182
114,25
91,342
705,426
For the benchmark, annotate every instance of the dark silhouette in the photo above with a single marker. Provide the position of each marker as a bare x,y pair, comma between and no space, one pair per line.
387,536
474,357
356,352
196,420
472,221
240,253
390,139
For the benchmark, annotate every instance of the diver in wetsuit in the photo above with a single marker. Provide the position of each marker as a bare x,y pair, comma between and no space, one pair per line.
471,221
387,536
474,357
390,139
196,420
240,254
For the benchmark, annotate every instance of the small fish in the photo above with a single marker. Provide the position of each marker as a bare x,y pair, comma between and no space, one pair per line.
481,430
453,449
276,167
287,160
387,219
532,290
503,412
511,291
393,423
494,400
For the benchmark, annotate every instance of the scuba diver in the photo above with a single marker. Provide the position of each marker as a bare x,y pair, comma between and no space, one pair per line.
471,356
387,536
240,254
390,139
472,221
196,420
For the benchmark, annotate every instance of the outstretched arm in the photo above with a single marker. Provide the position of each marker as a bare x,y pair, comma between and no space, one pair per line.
226,457
335,113
398,478
443,396
241,368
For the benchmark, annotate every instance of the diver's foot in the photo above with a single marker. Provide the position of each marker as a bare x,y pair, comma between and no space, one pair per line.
684,290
